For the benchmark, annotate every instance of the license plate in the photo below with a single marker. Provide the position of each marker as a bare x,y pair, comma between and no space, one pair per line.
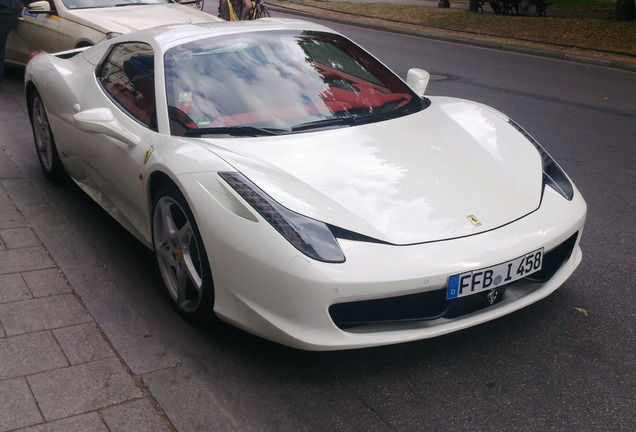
476,281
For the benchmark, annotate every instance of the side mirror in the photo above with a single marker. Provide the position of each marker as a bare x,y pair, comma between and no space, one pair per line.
102,121
417,79
40,7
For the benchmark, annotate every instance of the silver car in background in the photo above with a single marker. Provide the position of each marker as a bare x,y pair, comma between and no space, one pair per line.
60,25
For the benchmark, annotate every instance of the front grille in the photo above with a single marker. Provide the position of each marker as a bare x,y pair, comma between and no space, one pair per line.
414,307
433,305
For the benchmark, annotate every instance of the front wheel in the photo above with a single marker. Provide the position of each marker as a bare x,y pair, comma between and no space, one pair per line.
181,256
44,142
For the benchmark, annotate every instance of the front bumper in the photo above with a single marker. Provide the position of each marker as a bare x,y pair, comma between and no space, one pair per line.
263,285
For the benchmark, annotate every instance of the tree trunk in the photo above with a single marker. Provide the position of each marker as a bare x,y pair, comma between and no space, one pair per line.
473,6
625,10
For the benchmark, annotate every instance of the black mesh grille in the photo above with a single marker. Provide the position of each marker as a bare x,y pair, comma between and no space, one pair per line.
422,306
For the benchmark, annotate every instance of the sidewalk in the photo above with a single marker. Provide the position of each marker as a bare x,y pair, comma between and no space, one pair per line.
57,370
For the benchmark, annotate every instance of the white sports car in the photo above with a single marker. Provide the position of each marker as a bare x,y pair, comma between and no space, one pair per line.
292,185
58,25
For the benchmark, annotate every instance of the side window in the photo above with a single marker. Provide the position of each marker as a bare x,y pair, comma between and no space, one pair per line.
127,75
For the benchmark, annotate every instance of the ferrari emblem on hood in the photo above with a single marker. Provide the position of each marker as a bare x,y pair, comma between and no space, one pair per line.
473,219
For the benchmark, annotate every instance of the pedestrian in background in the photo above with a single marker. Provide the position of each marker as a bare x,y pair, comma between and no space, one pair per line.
524,7
9,13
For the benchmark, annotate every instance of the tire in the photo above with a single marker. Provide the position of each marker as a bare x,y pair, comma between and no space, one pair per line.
48,157
181,257
200,5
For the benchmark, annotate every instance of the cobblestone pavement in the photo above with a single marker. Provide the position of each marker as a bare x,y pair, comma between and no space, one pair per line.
57,370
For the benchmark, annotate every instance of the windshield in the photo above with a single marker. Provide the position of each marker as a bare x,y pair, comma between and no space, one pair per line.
279,82
88,4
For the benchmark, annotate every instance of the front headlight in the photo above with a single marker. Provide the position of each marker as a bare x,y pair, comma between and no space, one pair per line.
553,175
313,238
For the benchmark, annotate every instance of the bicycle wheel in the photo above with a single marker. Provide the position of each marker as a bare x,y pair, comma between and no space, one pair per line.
262,12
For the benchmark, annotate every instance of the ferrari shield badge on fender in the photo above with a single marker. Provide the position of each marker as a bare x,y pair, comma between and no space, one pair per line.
473,220
148,153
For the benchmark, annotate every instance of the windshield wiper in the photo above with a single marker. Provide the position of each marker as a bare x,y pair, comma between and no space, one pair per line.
237,131
346,121
132,4
326,123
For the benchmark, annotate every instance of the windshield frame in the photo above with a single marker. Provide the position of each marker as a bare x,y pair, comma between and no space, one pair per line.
210,81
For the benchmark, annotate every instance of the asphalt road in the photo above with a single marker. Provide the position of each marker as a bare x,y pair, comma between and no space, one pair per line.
547,367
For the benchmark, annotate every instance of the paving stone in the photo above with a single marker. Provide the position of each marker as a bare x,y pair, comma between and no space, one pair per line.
44,313
29,354
138,416
11,218
16,130
19,238
90,422
42,216
47,282
20,260
5,202
82,388
13,288
22,192
18,406
7,168
83,343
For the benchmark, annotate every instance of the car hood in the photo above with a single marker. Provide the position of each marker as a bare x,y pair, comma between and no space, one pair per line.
454,169
126,19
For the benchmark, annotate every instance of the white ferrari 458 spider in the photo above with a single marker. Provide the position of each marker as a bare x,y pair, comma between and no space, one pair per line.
292,185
